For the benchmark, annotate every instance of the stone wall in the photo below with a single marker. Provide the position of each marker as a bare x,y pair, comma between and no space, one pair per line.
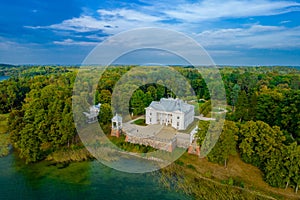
157,143
182,140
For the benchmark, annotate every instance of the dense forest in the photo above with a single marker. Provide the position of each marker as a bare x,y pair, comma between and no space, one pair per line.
262,124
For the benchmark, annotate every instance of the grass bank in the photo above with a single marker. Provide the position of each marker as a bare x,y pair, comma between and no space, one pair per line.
205,180
3,123
4,136
66,155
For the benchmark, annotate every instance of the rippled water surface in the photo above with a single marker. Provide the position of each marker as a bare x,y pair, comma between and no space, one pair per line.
85,180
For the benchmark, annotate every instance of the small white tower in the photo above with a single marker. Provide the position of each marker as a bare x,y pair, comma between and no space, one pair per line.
116,126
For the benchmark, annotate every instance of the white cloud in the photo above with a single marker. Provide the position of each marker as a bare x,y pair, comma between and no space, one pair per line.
128,15
215,9
80,24
108,21
285,22
156,14
255,36
70,42
190,17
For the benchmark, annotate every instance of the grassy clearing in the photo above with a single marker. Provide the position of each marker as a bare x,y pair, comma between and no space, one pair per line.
206,180
140,122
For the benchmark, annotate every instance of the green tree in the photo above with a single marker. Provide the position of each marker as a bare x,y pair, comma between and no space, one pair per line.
282,168
226,144
104,97
153,92
257,141
137,102
252,107
105,114
241,112
234,95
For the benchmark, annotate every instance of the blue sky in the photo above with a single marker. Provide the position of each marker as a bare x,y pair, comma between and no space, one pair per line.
248,32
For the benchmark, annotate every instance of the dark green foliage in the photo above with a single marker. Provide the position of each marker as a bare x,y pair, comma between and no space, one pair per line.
30,71
280,108
241,112
234,95
252,109
226,144
45,121
262,146
142,97
12,93
282,168
105,113
258,141
103,97
191,166
180,163
137,103
266,94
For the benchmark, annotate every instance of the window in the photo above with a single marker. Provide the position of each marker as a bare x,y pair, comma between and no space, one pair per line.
178,117
150,120
150,113
177,123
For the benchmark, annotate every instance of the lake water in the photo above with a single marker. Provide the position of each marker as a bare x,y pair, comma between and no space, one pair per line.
85,180
2,78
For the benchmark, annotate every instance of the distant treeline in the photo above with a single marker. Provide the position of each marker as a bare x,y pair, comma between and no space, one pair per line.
27,70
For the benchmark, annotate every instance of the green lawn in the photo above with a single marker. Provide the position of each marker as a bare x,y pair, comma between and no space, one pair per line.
140,122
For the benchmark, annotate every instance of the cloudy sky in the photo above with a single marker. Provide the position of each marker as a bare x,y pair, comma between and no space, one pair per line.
234,32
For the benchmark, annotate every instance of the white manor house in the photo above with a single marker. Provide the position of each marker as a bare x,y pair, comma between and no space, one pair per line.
170,111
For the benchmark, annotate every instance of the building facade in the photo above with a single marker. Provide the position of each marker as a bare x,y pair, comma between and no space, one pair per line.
170,112
92,116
